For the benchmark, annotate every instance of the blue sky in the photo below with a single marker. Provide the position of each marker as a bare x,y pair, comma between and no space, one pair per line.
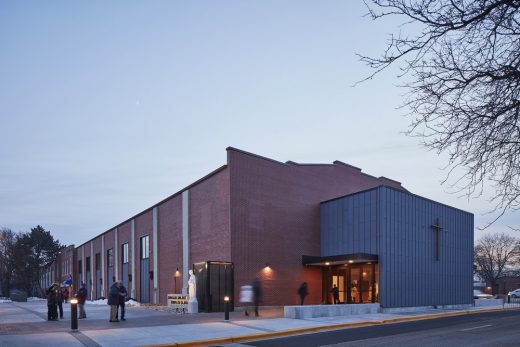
108,107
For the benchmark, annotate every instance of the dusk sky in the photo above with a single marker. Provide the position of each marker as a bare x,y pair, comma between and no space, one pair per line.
108,107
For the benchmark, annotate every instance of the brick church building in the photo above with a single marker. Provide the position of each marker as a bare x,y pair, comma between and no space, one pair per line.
284,224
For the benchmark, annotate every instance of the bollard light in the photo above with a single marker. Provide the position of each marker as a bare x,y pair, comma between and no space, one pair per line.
74,314
226,314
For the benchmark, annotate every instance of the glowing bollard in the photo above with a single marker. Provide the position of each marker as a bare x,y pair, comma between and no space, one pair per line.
74,314
226,313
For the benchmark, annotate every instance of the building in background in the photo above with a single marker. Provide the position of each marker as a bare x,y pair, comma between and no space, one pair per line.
284,224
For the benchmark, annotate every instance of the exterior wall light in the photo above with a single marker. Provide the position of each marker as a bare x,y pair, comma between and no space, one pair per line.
350,261
327,263
177,274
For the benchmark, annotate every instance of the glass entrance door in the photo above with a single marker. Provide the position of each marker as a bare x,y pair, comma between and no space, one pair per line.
357,283
362,282
339,281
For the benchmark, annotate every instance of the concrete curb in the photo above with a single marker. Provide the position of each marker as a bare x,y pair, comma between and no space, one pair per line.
331,327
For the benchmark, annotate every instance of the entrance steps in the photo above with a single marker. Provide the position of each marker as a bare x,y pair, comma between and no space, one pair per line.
316,311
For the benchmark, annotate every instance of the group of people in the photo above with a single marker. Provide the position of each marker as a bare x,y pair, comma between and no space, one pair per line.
55,298
116,299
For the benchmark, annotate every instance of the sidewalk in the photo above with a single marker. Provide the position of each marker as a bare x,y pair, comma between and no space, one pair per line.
24,324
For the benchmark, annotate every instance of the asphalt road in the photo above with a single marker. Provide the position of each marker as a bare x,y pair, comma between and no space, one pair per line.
495,329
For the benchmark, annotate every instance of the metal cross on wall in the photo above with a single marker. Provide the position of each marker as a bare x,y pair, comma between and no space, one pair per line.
437,228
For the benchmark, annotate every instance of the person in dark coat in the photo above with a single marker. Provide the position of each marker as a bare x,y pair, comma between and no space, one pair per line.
52,313
122,298
65,295
81,295
335,294
113,300
303,291
257,294
59,301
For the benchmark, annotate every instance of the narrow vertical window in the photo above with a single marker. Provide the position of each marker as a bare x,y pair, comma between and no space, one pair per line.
145,247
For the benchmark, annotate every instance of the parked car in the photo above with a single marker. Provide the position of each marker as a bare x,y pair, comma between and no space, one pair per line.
514,293
478,294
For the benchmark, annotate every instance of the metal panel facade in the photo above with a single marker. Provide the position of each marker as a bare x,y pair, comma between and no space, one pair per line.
397,226
349,224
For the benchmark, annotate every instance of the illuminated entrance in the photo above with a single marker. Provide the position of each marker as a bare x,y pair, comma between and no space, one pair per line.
357,283
356,277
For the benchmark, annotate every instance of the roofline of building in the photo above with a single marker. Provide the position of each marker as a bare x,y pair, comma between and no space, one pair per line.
293,163
229,148
389,179
255,155
404,191
338,162
212,173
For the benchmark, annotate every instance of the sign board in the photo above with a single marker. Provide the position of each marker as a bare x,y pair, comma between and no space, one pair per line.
179,302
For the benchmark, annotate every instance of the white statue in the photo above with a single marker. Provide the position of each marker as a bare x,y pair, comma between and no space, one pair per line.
192,286
193,304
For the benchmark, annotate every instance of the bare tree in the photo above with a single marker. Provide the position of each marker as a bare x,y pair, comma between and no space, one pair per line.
495,256
462,68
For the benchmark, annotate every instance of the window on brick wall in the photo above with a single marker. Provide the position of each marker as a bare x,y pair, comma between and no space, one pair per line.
145,247
110,257
98,261
124,253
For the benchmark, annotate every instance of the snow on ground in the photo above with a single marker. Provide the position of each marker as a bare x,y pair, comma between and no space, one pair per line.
98,302
4,300
32,298
132,303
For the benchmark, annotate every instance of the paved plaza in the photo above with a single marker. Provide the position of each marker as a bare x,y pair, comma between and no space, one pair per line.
25,324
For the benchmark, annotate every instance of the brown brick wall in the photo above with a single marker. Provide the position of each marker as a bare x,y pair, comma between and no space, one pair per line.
275,220
170,246
209,219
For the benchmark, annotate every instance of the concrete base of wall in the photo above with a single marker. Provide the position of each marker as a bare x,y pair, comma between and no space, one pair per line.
422,308
488,302
315,311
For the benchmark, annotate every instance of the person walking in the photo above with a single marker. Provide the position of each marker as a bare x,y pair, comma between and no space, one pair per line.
65,295
59,301
81,295
113,301
257,295
335,294
52,314
122,298
303,291
246,296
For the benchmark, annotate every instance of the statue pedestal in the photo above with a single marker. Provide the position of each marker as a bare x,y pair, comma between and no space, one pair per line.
193,306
